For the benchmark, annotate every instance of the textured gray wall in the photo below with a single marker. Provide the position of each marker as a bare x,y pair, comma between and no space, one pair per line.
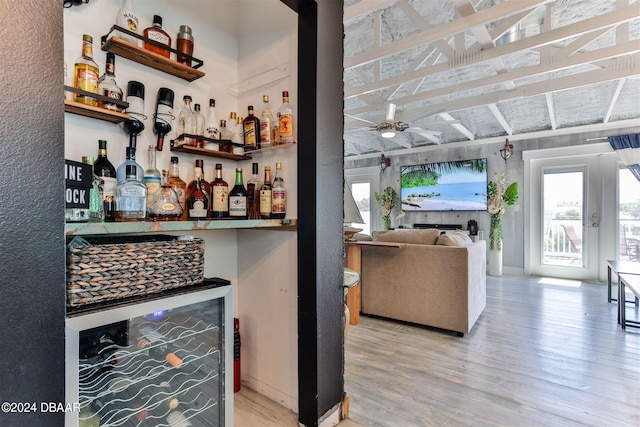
32,263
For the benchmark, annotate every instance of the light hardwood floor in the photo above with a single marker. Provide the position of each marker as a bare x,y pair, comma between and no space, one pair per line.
540,355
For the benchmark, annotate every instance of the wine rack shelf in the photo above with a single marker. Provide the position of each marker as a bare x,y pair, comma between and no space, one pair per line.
143,56
98,228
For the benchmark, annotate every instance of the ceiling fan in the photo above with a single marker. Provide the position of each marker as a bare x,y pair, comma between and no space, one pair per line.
390,127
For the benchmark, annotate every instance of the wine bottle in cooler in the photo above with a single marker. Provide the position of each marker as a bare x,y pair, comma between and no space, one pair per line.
155,345
105,170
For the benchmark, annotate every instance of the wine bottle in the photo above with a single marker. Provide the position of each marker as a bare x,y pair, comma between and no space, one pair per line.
219,195
135,98
163,115
253,193
285,119
238,198
265,194
251,131
105,170
154,344
278,195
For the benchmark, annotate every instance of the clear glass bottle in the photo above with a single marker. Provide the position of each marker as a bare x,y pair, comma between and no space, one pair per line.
157,34
127,19
131,198
285,119
253,193
121,172
224,147
153,182
187,122
238,198
219,195
266,124
198,200
86,73
212,131
251,131
199,120
265,195
278,195
107,85
168,206
105,171
179,186
238,134
225,132
96,211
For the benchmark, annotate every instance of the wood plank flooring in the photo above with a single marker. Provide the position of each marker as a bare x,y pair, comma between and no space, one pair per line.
540,355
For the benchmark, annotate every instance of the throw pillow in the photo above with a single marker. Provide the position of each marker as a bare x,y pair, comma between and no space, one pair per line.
408,235
454,238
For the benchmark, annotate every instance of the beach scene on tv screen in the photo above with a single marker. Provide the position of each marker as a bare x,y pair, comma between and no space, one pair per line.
446,186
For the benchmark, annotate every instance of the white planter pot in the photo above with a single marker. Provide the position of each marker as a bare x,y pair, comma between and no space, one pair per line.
495,263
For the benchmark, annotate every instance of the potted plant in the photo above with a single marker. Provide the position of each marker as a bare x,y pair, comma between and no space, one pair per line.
386,201
499,196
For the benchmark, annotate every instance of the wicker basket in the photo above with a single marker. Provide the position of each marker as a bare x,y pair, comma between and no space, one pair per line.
102,269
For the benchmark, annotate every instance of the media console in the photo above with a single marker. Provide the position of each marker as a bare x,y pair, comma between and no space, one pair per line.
438,226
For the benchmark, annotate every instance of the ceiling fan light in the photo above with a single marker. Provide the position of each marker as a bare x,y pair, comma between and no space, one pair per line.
388,133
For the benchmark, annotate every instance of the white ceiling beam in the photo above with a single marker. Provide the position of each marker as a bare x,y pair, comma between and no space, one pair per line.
500,118
506,25
363,8
370,142
416,19
626,66
614,99
551,108
460,128
592,24
454,27
518,73
377,42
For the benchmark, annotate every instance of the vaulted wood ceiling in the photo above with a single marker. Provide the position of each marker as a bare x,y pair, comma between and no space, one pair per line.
485,70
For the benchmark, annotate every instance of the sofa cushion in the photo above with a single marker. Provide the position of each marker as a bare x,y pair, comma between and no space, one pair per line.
419,237
455,238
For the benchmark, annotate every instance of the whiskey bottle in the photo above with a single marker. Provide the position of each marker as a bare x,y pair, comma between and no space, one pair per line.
219,195
153,181
85,73
251,131
253,193
167,207
278,195
266,124
107,85
157,34
179,186
238,198
198,198
96,210
105,170
285,119
131,196
187,122
265,194
121,172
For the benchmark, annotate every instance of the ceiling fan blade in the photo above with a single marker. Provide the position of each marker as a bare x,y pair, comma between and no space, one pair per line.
360,119
390,113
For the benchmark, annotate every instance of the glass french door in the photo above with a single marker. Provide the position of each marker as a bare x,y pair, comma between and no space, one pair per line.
628,216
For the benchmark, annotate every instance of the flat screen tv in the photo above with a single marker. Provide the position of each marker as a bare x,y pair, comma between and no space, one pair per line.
446,186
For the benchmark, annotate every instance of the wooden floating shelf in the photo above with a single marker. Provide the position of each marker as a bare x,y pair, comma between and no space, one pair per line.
86,228
151,59
94,112
211,153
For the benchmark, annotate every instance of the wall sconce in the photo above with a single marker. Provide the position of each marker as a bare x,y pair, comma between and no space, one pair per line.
507,151
385,162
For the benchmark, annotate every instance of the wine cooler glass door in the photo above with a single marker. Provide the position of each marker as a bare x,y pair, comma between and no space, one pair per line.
156,363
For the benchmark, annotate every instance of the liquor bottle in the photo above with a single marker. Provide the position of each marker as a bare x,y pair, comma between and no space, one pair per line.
163,115
238,133
219,195
199,120
179,186
238,198
121,172
167,207
127,19
253,193
251,131
225,132
198,198
265,194
131,198
85,73
212,131
222,146
231,125
266,124
187,122
107,85
157,34
278,195
96,210
153,181
105,170
184,44
156,347
285,119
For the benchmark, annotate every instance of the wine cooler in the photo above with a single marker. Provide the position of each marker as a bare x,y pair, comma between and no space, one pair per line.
161,362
